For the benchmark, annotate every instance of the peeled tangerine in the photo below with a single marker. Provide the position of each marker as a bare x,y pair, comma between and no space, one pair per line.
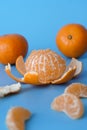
45,67
69,104
16,117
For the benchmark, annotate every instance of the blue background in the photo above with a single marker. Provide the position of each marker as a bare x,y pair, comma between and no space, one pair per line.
39,21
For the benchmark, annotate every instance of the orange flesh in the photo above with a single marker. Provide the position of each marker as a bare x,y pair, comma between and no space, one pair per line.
69,104
48,64
16,117
78,89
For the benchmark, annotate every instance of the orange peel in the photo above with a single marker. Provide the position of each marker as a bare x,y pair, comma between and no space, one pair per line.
69,104
8,71
78,64
72,70
20,65
45,67
78,89
10,89
16,117
68,75
31,78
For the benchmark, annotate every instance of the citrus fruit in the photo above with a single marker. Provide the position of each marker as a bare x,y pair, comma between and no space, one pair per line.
69,104
16,117
12,46
42,66
78,89
45,67
47,63
71,40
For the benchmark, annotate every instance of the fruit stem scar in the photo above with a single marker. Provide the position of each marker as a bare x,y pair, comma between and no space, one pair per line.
69,37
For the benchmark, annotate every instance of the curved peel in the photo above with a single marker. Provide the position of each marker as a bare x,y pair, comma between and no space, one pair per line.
78,64
31,78
72,70
8,71
20,65
68,75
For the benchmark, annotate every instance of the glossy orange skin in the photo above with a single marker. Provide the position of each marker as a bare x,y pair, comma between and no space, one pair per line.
12,46
72,40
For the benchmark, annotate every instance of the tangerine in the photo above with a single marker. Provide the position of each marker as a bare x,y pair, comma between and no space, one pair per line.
72,40
12,46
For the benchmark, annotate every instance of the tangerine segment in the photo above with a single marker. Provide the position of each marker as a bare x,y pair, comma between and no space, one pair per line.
78,64
31,78
16,117
78,89
68,75
20,65
69,104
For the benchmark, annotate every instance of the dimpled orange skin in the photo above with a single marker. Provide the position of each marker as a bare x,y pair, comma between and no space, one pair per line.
72,40
12,46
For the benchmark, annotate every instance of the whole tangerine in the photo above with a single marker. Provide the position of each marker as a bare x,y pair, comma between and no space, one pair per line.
12,46
71,40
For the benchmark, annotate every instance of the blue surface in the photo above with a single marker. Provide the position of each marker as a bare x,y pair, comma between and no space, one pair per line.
39,21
